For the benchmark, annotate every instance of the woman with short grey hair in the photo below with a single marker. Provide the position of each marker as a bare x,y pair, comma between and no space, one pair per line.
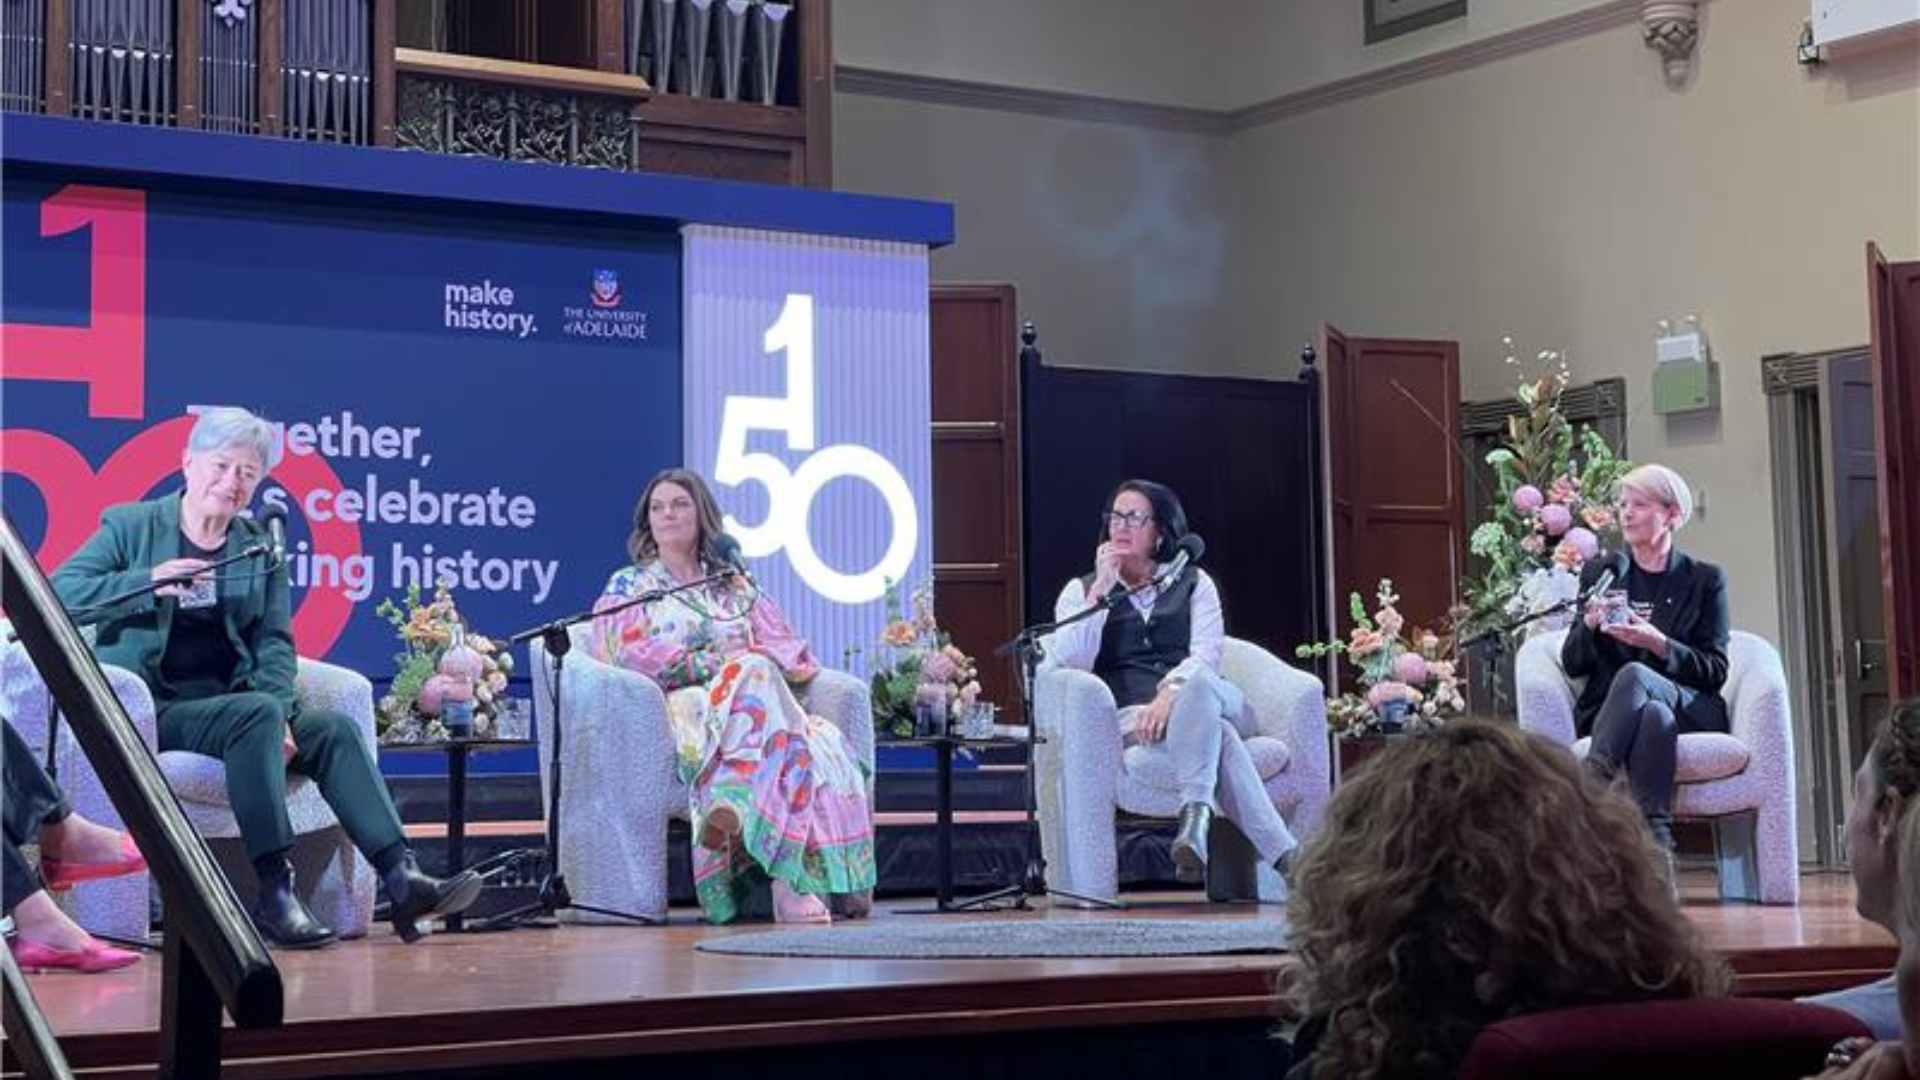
218,655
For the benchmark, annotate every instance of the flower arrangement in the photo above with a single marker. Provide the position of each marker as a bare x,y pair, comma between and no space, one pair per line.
919,667
1407,676
435,671
1551,509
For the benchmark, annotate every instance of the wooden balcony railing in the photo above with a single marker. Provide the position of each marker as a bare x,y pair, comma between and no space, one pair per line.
739,89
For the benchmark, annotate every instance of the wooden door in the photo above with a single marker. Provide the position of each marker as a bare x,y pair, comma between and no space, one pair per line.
1393,464
976,479
1856,612
1893,304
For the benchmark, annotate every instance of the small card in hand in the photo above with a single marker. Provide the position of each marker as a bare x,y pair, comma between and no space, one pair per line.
199,593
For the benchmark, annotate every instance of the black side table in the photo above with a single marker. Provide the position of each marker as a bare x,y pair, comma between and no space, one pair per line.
457,751
943,749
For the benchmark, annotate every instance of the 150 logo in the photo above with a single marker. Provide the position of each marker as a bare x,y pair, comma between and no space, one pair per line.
790,492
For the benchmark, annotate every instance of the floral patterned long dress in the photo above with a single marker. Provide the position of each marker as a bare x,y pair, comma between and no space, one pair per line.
742,739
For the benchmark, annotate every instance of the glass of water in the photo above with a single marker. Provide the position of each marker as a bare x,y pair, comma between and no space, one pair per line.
515,720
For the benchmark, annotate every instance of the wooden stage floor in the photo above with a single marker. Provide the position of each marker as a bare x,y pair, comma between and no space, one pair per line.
580,993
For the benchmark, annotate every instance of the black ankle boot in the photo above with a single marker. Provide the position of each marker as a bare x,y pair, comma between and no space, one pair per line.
280,915
1190,843
414,894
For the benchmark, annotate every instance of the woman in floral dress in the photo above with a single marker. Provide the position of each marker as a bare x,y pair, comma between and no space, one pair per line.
771,789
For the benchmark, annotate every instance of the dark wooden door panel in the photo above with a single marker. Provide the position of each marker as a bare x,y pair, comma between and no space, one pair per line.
977,532
1893,300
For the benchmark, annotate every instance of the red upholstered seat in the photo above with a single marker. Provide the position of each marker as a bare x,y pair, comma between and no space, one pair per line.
1750,1038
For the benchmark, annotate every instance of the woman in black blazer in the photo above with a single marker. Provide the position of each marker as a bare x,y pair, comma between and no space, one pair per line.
1655,659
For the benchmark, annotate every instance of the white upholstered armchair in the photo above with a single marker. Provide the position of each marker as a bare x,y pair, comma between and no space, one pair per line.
618,785
1742,781
1083,775
332,877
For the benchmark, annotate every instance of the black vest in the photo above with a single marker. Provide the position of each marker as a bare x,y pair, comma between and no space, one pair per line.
1135,654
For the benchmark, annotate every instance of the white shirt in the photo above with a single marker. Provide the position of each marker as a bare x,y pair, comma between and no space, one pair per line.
1078,646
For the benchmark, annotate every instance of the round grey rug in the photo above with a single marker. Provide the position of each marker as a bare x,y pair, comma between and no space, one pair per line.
916,939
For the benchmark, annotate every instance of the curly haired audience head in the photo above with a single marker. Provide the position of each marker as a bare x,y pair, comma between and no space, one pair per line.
1472,874
1884,790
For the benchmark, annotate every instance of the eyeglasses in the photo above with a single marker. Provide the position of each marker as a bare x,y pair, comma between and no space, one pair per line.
1132,519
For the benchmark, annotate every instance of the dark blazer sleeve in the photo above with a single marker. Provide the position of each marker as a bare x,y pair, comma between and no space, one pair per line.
105,565
1700,661
1580,654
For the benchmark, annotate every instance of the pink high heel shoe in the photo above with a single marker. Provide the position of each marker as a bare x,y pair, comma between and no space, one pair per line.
93,958
58,875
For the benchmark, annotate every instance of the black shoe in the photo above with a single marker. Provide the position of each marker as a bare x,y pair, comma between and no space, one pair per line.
414,894
282,918
1190,843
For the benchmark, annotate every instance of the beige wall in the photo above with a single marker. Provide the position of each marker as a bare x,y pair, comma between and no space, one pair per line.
1117,236
1568,198
1565,196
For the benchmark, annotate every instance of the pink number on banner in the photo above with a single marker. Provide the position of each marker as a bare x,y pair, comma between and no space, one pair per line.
109,354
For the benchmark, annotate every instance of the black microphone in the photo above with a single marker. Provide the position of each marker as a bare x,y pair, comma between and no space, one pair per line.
274,517
1191,548
1613,572
728,550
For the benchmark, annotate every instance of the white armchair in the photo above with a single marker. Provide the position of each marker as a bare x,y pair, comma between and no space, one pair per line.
332,877
1742,780
1083,774
618,784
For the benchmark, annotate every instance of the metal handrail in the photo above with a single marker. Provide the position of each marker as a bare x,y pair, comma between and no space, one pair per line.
213,955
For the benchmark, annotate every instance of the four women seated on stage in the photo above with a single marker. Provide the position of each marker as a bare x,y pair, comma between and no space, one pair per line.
1157,647
1466,876
218,656
1654,652
773,791
72,850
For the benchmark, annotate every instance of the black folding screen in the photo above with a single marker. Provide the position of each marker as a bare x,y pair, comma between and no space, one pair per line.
1238,452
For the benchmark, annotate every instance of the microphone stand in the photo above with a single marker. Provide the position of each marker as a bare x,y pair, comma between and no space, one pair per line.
93,613
1496,636
1027,646
553,896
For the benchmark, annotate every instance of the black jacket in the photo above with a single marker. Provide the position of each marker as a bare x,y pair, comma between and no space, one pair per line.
1691,610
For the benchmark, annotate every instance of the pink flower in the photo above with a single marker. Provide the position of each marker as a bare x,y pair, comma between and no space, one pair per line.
1555,519
1566,555
1429,641
1597,517
1583,539
1362,642
1533,544
899,633
1389,621
938,668
1440,669
1410,668
1526,498
1388,690
1564,490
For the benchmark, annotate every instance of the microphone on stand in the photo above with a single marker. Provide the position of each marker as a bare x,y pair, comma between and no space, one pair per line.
1191,548
728,549
274,517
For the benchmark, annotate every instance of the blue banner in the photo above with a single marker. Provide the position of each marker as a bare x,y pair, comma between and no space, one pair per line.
462,397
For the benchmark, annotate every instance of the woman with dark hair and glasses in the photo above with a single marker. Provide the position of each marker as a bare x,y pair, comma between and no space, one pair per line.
1157,647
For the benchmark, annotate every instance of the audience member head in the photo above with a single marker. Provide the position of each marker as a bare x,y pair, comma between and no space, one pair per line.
1471,874
675,512
1158,536
1883,791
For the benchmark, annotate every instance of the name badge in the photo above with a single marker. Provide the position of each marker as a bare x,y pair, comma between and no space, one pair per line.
201,594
